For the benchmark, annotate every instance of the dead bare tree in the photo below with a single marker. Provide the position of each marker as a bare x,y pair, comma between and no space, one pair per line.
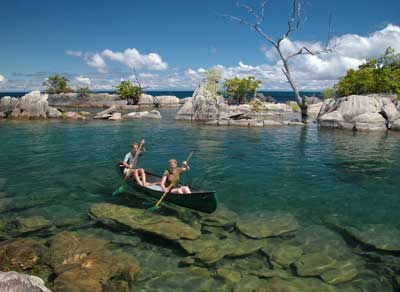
294,22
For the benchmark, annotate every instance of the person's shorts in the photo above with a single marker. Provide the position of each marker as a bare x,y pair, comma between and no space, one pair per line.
128,171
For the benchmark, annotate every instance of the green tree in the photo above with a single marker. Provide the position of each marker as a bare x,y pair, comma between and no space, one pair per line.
374,76
83,91
328,93
241,89
213,76
126,90
57,84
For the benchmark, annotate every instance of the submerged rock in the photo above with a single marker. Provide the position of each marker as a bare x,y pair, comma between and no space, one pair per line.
13,282
267,224
135,219
187,279
314,264
379,236
27,225
84,263
19,254
222,217
209,249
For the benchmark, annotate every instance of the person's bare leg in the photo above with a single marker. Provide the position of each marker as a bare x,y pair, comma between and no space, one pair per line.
136,173
143,174
177,191
186,190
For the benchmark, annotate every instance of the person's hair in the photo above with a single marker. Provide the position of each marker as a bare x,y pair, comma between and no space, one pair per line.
134,144
172,160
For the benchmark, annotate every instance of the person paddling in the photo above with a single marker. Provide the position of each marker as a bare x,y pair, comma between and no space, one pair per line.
168,177
130,163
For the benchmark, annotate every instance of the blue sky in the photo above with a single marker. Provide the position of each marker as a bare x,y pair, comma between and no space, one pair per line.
97,42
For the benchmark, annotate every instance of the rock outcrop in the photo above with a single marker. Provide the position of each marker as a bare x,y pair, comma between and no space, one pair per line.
13,281
205,105
154,114
30,106
358,112
91,100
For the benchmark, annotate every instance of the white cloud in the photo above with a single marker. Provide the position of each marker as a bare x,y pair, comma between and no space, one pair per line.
96,61
2,78
74,53
132,58
83,80
319,71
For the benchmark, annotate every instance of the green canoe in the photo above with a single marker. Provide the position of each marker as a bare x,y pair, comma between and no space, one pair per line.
204,201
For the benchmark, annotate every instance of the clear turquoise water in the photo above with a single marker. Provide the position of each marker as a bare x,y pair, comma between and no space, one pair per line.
57,169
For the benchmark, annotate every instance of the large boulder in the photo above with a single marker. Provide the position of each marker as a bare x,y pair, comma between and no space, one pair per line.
106,114
146,100
358,112
8,103
166,101
314,109
31,105
205,105
13,281
186,112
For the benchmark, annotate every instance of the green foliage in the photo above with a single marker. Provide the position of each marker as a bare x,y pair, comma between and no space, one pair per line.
329,93
374,76
126,90
295,107
213,76
241,89
83,91
256,104
57,84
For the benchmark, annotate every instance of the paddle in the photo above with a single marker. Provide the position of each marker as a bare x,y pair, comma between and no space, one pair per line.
121,188
171,184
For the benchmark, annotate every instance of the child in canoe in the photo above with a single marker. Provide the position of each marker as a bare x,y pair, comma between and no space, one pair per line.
169,176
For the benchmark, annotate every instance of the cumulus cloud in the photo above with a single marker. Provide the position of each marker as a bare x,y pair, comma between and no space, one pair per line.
132,58
319,71
2,78
74,53
83,80
96,61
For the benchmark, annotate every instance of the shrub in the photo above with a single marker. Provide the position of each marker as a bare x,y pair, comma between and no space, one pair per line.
374,76
329,93
55,84
126,90
241,89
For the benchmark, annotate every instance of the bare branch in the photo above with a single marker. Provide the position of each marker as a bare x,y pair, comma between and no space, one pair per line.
238,19
136,77
295,16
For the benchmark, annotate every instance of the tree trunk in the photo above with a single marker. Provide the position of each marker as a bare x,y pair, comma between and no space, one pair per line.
301,101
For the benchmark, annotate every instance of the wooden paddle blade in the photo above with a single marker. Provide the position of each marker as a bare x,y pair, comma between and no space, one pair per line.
118,191
151,209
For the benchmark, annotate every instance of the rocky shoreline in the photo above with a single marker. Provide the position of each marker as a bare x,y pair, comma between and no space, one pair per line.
360,113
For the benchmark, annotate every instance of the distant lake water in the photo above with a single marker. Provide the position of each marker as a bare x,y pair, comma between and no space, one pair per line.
280,96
